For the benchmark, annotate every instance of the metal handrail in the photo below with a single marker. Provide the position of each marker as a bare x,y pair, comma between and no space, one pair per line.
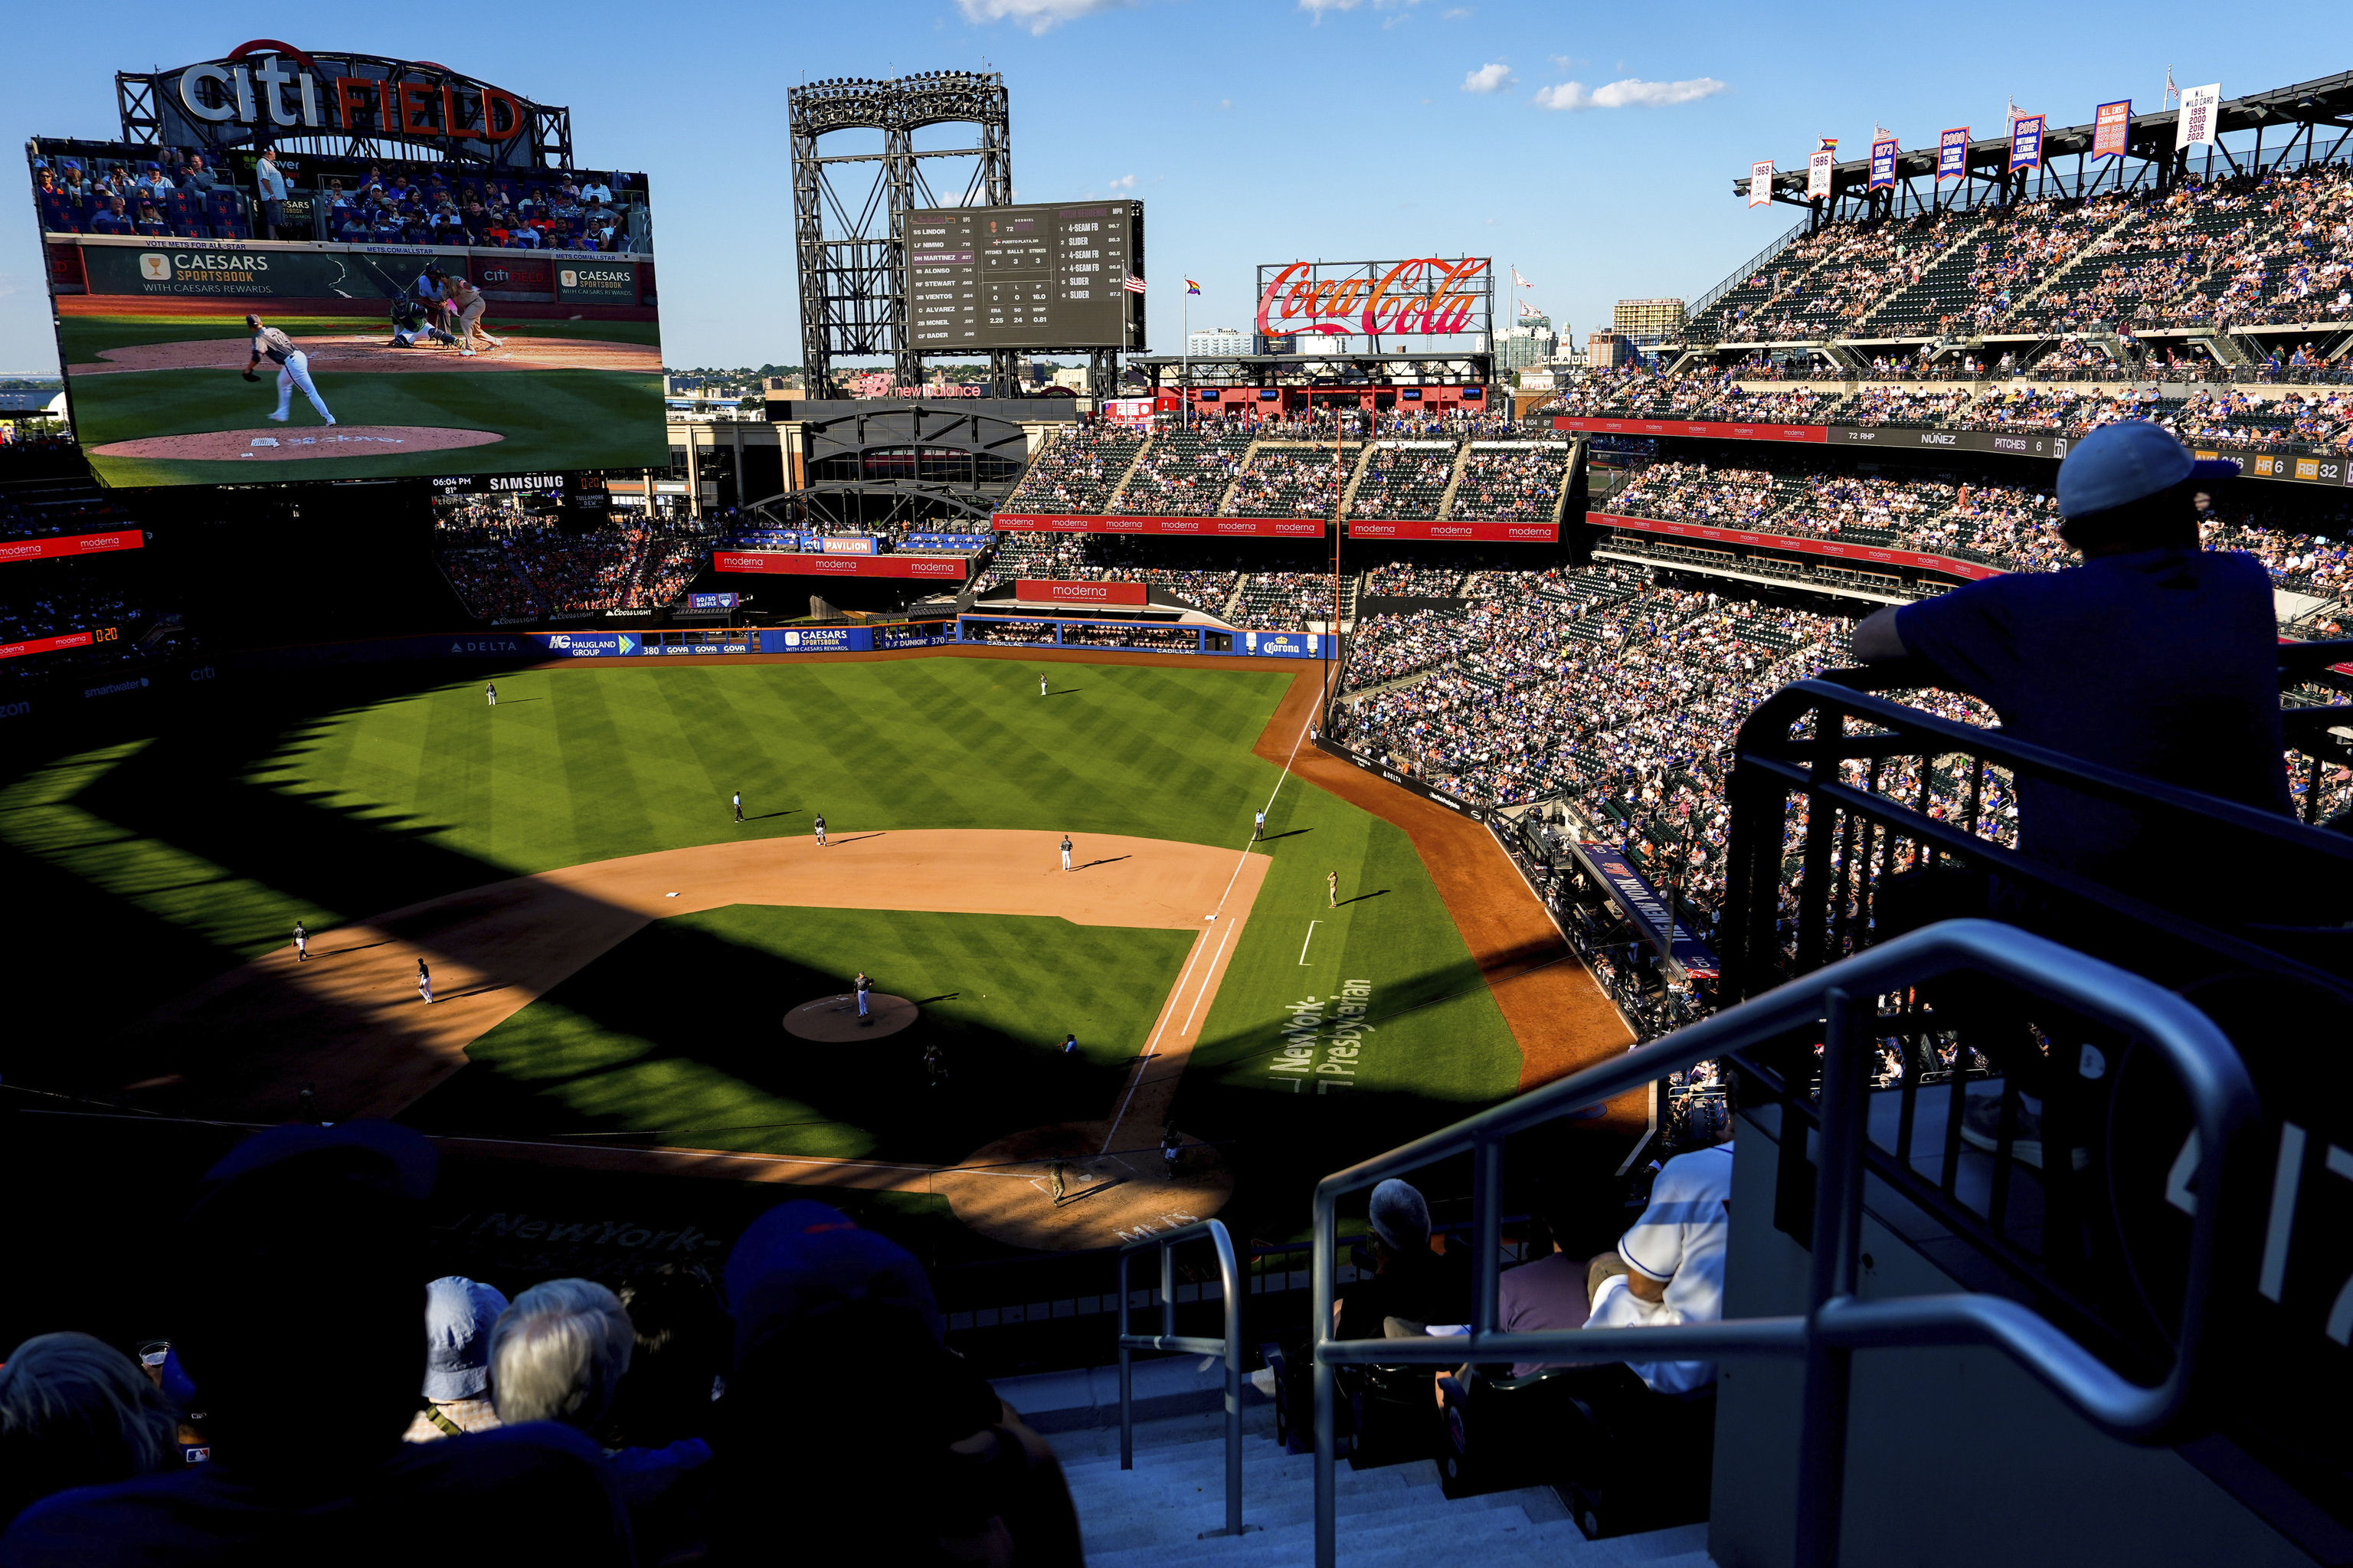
2215,1081
1231,1347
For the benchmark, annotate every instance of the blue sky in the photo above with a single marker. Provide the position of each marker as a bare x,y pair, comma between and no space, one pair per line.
1270,132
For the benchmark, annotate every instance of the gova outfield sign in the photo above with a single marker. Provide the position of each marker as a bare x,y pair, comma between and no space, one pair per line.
1428,296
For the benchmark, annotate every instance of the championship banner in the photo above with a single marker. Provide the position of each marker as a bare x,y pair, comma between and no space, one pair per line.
1883,164
1818,174
1056,590
71,544
951,567
1210,528
1953,154
2026,143
1646,910
1481,533
45,644
1760,184
2201,116
2111,129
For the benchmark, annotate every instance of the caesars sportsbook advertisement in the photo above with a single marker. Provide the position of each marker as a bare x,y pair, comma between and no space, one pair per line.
300,267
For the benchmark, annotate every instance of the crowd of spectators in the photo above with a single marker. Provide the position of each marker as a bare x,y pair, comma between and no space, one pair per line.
1077,468
1512,482
507,565
1182,474
1286,600
1292,482
596,1423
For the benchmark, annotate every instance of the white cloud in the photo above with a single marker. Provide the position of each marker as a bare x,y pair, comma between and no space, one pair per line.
1490,78
1454,13
1316,8
1125,182
1631,92
1034,16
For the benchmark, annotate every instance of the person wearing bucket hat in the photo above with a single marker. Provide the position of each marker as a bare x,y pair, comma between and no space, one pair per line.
458,1313
2153,657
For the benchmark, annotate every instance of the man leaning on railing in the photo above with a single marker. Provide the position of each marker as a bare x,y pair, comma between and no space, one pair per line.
2153,657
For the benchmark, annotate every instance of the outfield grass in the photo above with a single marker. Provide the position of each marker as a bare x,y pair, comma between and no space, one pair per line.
676,1031
142,868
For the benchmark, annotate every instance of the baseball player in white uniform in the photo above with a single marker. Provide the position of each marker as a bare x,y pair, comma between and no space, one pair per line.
293,369
1066,852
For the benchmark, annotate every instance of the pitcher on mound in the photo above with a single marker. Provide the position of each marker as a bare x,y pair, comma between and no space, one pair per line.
293,369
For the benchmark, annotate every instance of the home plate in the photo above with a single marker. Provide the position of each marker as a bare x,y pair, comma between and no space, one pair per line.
272,442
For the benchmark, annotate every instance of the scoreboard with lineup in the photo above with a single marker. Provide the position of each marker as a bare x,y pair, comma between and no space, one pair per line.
1047,275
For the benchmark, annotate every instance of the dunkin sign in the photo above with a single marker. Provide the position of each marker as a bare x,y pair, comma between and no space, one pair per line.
1428,296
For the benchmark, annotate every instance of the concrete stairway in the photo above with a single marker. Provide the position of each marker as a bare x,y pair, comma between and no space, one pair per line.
1155,1515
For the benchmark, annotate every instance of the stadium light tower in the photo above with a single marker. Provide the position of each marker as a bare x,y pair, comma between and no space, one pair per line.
851,241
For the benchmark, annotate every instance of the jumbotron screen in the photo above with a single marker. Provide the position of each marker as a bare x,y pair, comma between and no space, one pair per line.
225,318
1047,275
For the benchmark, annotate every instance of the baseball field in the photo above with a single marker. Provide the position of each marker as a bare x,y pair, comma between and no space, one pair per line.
158,398
613,956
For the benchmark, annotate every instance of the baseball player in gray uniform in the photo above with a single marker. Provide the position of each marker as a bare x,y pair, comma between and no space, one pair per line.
293,369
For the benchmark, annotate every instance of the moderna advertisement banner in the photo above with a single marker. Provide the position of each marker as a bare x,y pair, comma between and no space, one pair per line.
45,644
71,544
2026,143
1483,533
1760,183
2111,129
1953,153
1817,434
1054,590
1216,527
1883,164
790,565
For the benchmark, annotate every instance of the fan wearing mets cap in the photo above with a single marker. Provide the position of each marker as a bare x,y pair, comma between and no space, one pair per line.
2153,657
293,368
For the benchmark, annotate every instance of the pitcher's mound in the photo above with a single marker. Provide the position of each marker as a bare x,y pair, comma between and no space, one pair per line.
1006,1192
284,443
834,1019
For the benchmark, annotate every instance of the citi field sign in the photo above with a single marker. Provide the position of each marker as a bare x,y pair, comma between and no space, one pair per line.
1428,296
269,91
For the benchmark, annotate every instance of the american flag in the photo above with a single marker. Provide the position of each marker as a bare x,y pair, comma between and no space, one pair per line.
1133,284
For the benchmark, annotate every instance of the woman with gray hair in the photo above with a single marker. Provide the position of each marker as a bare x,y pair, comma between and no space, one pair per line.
76,1411
557,1354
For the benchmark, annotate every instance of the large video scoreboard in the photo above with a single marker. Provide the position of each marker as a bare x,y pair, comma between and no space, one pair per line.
1052,275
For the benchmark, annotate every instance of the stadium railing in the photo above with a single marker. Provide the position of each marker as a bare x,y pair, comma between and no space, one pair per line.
1836,1005
1231,1347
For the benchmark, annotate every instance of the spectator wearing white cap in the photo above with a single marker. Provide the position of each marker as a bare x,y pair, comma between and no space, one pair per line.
1411,1284
459,1315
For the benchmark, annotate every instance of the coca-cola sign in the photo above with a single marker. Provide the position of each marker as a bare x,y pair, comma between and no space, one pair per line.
1426,296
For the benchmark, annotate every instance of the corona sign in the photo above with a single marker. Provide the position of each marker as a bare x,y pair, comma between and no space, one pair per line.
1428,296
266,91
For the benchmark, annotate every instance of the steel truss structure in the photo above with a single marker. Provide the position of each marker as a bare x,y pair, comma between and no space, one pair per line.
851,243
544,140
845,504
2305,112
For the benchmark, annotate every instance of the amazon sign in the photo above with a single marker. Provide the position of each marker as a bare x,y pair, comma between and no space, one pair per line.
1427,296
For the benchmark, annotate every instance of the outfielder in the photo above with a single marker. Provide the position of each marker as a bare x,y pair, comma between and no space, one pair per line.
301,944
424,981
739,805
1332,886
1041,685
819,826
491,690
1066,852
293,368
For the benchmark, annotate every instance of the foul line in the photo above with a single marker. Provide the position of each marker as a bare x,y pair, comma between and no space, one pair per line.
1151,1046
1303,945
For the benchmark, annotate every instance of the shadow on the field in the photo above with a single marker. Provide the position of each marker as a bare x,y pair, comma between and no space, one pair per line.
1360,898
1108,859
1293,833
764,816
1066,691
861,838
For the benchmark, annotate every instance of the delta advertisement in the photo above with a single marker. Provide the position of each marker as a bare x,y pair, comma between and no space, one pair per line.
1861,555
788,563
1216,527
